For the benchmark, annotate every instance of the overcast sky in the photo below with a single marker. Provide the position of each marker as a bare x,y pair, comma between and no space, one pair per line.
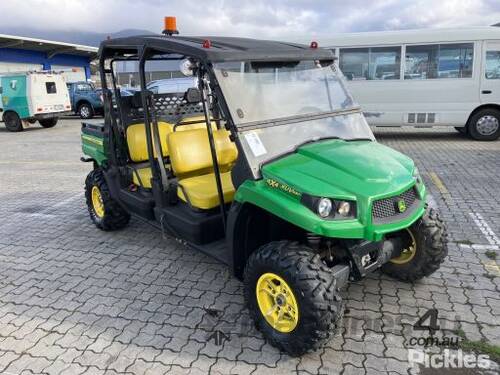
284,19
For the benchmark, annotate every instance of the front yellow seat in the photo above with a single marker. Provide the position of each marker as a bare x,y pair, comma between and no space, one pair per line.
191,160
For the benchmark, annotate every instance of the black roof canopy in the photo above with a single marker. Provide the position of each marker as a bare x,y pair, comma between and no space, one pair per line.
221,49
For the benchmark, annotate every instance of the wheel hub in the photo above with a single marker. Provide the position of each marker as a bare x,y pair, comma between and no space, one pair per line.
85,111
277,302
487,125
97,202
409,250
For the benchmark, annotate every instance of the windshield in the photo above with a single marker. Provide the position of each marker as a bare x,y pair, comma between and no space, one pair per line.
263,91
268,143
257,93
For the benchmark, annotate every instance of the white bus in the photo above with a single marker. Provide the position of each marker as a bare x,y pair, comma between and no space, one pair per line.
445,77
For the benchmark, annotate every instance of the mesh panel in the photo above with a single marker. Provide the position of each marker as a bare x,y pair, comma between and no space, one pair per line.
173,106
387,207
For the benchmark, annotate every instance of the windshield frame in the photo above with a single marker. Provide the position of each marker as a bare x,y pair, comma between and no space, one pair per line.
283,120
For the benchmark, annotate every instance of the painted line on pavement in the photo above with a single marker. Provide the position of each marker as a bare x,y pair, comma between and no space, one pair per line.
439,184
483,226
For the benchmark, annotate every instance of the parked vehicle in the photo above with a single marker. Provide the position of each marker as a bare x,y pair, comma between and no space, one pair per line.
171,85
445,77
86,101
269,166
33,96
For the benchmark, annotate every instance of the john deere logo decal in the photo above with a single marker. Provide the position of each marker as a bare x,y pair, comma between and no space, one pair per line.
401,205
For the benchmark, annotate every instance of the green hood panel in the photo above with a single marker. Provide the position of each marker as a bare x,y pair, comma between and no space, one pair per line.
360,170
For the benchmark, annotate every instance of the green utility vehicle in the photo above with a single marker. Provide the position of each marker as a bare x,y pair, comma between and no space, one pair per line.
269,166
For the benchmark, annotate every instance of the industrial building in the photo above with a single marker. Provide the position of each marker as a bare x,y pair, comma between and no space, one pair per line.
21,54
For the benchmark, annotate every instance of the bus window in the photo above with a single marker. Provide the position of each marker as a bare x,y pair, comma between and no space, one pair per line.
421,62
353,63
377,63
455,60
439,61
493,65
385,63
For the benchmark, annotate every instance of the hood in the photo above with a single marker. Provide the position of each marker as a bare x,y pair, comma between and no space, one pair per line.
343,169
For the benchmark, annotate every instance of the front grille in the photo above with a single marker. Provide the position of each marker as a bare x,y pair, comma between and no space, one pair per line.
385,210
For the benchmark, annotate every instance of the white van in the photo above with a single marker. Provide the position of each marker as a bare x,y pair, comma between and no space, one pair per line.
33,96
422,78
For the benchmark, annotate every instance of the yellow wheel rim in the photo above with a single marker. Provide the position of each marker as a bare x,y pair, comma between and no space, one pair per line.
97,203
277,303
408,253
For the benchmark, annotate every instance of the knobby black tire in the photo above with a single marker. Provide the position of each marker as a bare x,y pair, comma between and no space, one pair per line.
115,217
432,248
320,305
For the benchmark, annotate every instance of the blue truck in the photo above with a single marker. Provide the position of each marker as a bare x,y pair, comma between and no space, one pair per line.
86,101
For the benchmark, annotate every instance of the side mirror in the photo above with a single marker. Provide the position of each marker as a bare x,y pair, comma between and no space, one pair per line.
193,95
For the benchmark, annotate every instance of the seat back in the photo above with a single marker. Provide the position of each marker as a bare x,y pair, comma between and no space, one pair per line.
137,144
190,151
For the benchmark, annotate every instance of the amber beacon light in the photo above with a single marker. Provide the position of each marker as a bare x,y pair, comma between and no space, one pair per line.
170,26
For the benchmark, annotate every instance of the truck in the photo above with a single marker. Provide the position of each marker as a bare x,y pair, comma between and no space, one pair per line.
86,100
29,97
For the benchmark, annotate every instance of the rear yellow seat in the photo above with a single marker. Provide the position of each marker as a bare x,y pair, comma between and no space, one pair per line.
138,148
136,141
191,160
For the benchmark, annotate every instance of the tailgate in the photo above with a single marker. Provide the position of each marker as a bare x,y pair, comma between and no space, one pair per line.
94,141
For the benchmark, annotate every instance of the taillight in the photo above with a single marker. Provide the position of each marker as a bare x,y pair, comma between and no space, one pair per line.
39,109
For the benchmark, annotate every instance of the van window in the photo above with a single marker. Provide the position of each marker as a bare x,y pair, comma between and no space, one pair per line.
493,65
439,61
376,63
51,87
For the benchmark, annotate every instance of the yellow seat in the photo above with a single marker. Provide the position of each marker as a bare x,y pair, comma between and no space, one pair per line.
142,176
191,160
202,190
137,144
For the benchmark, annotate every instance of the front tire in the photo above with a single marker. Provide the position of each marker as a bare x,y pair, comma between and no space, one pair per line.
85,111
425,249
49,122
106,213
12,122
292,297
485,125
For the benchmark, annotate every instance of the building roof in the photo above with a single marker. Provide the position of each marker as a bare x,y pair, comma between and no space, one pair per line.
412,36
51,48
221,49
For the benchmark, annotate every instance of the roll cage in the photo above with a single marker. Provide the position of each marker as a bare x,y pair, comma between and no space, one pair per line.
145,106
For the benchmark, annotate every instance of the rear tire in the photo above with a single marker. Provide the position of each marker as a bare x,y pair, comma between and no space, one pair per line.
12,122
49,122
484,125
85,111
430,236
106,213
318,304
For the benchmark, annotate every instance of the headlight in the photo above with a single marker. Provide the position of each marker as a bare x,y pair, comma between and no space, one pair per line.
328,208
416,176
343,208
324,207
